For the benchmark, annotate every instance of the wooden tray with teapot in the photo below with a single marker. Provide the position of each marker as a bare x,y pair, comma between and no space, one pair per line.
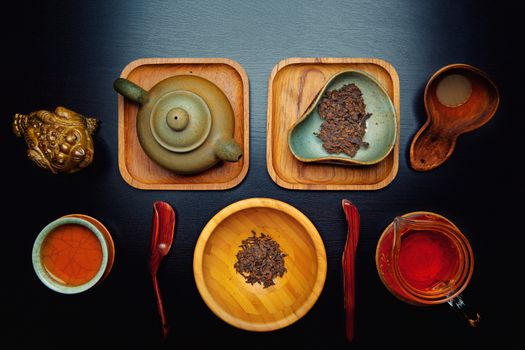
138,169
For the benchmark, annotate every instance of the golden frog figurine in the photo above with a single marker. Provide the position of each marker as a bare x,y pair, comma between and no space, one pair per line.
59,141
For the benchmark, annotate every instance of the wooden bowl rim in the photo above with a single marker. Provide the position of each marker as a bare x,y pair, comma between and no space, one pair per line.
249,203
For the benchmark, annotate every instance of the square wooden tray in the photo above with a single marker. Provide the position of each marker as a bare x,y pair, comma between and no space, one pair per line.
138,169
292,86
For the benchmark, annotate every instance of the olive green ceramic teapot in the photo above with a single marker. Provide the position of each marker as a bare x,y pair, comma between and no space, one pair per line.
185,123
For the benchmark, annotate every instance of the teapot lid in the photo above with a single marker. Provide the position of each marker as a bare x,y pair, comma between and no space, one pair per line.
180,121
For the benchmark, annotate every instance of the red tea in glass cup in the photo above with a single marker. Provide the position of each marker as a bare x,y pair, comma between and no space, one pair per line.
424,259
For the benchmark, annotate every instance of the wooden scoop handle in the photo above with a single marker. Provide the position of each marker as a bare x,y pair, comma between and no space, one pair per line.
431,147
348,262
160,307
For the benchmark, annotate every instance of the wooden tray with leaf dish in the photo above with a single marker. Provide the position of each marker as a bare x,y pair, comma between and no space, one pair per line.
292,86
137,169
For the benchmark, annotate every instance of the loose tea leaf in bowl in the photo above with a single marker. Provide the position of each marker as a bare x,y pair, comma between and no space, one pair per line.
344,125
260,260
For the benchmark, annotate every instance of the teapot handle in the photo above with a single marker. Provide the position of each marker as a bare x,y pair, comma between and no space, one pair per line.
130,90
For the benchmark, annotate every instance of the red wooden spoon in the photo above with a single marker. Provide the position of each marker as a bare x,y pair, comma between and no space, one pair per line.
161,239
352,219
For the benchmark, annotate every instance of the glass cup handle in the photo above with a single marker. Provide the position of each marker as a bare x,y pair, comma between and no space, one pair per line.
470,315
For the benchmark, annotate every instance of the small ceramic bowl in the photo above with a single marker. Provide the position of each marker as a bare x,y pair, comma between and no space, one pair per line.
73,253
253,307
381,132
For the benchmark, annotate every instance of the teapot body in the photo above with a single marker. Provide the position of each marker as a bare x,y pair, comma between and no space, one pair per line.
185,123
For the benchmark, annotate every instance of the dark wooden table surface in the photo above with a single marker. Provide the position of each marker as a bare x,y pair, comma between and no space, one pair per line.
69,53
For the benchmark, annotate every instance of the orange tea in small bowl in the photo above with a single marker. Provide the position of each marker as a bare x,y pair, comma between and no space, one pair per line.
73,253
424,259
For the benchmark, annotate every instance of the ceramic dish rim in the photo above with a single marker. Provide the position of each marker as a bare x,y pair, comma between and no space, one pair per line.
40,270
110,244
340,159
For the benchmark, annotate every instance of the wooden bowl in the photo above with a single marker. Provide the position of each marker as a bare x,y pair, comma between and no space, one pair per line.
252,307
458,98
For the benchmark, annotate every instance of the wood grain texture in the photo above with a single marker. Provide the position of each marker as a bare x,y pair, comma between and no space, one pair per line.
138,169
253,307
292,86
435,141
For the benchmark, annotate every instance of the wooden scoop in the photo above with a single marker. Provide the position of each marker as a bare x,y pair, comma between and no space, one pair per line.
162,232
458,98
348,262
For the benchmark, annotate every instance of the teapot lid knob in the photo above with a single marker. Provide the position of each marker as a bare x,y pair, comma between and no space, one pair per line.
177,119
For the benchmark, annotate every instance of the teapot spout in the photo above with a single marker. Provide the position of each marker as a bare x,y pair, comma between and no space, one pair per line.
228,150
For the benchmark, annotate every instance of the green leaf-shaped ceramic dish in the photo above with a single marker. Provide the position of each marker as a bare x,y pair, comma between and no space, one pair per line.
381,129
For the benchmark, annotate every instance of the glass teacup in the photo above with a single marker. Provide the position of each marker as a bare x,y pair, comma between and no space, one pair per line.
424,259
